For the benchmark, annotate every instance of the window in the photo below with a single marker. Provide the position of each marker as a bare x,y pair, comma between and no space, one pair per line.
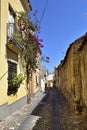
12,68
11,15
37,80
11,18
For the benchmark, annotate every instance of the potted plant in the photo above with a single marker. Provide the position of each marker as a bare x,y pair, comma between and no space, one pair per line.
14,83
17,79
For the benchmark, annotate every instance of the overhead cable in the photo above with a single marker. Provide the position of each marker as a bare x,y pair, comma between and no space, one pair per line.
43,11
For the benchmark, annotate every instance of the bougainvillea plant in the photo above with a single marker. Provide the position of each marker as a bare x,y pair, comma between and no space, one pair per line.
29,41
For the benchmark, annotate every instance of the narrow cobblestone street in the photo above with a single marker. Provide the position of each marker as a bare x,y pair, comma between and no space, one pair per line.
56,114
48,112
52,112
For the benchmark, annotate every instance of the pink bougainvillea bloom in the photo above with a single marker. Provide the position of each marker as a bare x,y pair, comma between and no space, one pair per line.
47,58
41,40
41,46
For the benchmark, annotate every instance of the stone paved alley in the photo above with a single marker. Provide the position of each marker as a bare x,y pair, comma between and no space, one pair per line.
51,113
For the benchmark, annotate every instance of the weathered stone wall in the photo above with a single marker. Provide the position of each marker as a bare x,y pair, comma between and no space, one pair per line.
72,74
84,73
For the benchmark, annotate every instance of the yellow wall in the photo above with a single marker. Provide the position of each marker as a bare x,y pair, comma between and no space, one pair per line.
34,87
0,27
72,74
17,6
84,73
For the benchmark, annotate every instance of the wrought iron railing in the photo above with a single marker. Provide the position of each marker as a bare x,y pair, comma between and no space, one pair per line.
12,29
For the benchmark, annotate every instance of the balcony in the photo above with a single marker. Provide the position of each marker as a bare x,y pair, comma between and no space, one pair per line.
12,44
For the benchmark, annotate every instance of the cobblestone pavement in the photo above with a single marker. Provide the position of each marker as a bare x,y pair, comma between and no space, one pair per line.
13,121
69,120
54,113
57,115
49,112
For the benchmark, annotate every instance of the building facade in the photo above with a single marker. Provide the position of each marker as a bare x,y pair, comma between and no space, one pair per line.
10,53
50,79
44,74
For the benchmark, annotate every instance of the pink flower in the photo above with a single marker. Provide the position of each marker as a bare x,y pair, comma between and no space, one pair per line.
41,46
41,40
47,58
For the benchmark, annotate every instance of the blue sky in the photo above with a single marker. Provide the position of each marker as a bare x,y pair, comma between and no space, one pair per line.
64,21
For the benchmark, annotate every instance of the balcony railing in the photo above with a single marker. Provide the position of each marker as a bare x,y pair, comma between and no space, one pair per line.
11,29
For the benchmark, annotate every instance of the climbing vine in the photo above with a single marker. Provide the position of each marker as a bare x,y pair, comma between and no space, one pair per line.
29,41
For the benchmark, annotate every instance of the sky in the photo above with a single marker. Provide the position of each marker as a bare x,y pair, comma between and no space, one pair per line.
63,22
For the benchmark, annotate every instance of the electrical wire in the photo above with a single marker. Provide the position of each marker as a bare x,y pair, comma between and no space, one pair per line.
43,11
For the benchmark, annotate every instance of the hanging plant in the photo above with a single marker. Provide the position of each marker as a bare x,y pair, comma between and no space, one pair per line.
15,83
17,79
